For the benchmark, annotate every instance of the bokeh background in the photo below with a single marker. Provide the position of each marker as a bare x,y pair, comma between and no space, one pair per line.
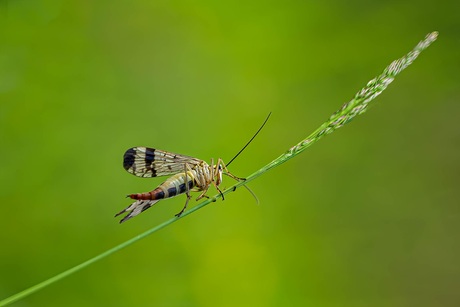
366,217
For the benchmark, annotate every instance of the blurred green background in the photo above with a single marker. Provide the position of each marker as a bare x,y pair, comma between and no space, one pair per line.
366,217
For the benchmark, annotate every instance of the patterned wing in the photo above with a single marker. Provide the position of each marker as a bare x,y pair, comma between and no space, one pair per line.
150,162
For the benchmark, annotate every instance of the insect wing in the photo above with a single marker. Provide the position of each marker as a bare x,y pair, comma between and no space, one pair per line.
150,162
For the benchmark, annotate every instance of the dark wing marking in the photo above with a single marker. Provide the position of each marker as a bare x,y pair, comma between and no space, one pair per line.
137,207
150,162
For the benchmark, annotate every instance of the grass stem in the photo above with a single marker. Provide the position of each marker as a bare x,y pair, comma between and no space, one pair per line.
358,105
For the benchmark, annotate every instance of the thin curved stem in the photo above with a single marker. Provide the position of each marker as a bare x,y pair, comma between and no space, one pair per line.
358,105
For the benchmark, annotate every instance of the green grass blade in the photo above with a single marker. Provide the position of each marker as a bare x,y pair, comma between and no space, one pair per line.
358,105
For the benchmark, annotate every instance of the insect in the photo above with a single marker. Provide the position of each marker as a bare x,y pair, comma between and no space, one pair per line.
188,175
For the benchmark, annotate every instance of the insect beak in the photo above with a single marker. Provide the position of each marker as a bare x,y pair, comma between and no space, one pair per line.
219,176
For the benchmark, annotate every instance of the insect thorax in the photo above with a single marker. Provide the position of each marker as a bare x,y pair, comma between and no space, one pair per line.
205,174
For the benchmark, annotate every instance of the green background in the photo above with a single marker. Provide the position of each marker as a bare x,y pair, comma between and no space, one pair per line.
369,216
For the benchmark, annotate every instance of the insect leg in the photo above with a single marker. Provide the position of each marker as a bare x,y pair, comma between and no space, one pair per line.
187,189
203,194
237,179
185,206
218,190
219,161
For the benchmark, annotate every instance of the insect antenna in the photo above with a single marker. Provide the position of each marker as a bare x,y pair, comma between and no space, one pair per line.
250,140
238,179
